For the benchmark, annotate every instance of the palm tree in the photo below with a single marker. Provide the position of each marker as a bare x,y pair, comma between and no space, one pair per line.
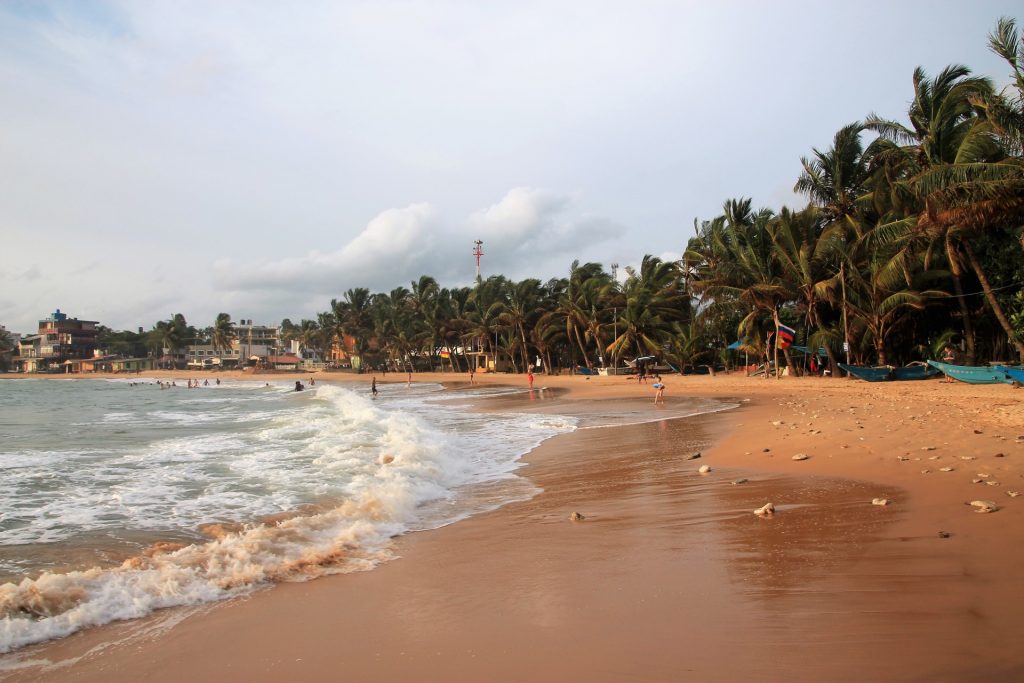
520,311
960,178
653,299
1005,110
807,260
352,317
579,301
223,332
878,297
835,179
488,303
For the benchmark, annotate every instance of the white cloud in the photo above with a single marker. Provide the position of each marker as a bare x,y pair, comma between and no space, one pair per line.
528,232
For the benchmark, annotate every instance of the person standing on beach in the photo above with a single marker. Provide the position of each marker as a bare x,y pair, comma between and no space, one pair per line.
948,356
659,396
373,387
529,378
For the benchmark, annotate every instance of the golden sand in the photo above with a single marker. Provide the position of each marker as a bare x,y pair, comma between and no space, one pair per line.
668,576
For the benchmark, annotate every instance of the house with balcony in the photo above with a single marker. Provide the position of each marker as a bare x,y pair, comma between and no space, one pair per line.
59,339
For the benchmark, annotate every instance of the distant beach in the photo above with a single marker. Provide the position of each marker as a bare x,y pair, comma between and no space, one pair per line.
666,574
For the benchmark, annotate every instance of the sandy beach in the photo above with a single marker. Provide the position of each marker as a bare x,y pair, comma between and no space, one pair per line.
669,576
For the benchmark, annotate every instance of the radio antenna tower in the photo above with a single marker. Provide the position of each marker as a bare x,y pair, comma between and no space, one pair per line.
478,251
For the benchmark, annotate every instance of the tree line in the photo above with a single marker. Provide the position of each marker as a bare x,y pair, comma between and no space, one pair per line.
910,241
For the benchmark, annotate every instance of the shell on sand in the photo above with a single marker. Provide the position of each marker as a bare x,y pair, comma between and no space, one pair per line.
879,501
576,517
801,456
767,509
704,469
985,505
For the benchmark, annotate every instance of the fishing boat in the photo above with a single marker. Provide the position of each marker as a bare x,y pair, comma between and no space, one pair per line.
888,373
1016,374
974,375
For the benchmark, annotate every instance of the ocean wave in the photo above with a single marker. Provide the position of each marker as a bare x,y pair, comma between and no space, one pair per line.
333,477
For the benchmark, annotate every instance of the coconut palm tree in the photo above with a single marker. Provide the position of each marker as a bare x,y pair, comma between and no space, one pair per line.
223,332
834,180
961,179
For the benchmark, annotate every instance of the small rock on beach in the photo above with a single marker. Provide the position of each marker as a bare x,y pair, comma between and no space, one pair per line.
985,505
765,510
801,456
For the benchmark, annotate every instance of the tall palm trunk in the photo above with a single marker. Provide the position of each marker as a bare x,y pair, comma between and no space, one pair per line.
993,302
965,314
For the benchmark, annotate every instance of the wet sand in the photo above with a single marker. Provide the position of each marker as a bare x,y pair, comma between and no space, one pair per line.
670,576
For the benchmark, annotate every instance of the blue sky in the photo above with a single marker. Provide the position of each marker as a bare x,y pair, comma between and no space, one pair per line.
260,158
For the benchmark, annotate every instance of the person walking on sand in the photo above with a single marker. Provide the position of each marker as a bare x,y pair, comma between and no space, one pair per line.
659,396
373,386
529,378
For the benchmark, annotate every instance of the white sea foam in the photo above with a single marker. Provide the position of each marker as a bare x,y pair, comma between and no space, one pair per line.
371,469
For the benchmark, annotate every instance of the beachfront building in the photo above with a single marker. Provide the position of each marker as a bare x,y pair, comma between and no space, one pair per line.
253,344
60,338
287,361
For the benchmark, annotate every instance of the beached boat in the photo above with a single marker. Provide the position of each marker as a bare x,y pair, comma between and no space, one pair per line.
1016,374
974,375
890,374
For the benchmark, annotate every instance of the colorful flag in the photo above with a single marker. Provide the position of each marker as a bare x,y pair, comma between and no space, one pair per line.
445,354
786,336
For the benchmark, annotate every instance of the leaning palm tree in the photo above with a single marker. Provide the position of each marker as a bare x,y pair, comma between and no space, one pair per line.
962,180
942,132
1005,110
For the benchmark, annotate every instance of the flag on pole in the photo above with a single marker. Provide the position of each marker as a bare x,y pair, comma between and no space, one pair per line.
786,336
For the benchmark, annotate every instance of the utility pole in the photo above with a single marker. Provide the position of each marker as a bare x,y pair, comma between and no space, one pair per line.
478,251
846,331
615,319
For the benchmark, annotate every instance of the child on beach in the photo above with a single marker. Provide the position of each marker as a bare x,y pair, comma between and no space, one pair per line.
659,397
529,378
373,386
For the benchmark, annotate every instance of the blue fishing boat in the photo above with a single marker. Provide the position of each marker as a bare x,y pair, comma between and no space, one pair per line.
1016,374
886,373
974,375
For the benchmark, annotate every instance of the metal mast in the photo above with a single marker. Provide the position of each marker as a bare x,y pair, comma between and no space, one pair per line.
478,252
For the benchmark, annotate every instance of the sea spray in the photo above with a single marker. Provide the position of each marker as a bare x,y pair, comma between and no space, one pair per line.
332,475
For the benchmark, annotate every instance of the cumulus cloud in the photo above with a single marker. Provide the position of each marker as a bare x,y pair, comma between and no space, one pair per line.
395,241
527,232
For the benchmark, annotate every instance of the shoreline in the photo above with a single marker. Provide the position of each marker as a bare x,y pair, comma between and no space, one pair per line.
670,569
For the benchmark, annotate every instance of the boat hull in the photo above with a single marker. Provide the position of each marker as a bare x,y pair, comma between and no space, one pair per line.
1016,374
973,375
887,374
